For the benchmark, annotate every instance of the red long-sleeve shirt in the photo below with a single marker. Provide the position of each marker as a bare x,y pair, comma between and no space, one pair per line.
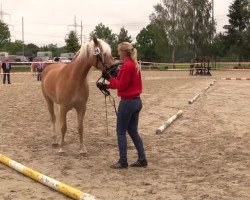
128,82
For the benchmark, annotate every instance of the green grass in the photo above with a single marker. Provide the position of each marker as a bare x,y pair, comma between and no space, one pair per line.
22,68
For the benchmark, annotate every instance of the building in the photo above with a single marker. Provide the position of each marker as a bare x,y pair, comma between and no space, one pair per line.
67,55
3,55
44,55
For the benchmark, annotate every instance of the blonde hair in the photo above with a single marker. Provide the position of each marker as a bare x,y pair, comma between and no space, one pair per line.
130,51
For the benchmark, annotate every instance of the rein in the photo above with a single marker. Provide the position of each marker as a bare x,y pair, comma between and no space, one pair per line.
106,94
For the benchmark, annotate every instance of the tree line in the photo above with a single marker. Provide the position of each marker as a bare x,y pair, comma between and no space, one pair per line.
178,32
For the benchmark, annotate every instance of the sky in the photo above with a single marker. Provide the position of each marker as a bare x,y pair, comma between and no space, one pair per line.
49,21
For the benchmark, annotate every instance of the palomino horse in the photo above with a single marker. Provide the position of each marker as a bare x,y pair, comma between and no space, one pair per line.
33,68
65,86
34,65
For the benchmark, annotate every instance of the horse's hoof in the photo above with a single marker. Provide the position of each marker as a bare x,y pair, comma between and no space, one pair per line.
55,144
83,152
61,152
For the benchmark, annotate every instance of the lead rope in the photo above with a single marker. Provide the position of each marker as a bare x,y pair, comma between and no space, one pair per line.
106,110
107,93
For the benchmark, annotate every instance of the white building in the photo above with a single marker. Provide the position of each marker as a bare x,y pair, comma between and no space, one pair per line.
44,55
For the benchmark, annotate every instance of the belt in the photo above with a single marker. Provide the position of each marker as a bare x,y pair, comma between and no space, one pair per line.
132,98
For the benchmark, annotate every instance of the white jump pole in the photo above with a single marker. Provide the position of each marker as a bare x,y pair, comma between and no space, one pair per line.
168,122
207,88
52,183
194,99
212,83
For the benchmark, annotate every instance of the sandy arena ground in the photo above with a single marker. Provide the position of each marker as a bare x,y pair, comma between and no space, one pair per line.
203,155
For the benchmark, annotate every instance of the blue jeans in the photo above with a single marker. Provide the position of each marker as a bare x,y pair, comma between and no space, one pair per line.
127,120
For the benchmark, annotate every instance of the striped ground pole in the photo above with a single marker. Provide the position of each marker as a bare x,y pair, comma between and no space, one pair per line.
52,183
237,78
22,73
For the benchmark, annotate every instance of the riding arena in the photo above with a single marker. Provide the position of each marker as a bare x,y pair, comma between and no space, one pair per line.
202,154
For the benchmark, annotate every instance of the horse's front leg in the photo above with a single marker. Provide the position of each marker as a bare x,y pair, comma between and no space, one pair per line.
80,116
63,121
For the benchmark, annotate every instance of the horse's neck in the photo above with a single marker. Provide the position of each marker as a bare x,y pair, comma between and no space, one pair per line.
81,68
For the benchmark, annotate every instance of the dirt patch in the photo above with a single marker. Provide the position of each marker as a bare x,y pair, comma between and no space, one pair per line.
203,155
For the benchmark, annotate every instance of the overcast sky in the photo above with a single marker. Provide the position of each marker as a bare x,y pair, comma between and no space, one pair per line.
48,21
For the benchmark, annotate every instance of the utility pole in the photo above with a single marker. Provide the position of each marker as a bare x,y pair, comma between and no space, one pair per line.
81,33
213,14
23,34
75,25
213,31
2,13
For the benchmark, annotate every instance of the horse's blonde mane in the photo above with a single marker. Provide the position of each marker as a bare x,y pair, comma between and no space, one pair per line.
87,49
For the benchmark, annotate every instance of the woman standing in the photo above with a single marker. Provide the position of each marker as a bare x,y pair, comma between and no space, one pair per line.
129,87
6,66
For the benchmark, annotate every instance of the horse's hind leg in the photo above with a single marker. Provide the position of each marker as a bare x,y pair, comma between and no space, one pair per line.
80,116
50,105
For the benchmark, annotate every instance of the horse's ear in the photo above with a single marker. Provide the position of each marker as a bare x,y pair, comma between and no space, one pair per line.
95,41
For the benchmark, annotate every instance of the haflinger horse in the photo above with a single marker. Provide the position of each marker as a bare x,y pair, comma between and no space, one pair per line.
34,65
65,87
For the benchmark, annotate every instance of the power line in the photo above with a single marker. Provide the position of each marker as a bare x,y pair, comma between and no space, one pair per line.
2,13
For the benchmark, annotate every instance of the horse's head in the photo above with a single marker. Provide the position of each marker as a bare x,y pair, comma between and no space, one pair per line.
96,53
102,53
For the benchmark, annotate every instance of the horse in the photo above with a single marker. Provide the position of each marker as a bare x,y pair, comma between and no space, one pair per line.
34,66
65,87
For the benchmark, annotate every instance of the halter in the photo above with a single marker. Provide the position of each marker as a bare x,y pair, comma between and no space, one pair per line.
99,57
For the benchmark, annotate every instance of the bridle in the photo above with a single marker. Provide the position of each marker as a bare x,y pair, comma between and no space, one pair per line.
100,58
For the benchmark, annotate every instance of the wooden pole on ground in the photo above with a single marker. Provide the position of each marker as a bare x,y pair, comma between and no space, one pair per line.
168,122
207,88
194,99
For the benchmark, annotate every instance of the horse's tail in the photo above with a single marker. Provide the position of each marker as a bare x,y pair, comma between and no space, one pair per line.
58,124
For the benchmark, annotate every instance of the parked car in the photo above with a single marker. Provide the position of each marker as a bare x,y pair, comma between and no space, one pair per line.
61,59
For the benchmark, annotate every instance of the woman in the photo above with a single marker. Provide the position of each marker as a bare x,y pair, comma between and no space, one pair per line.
129,87
6,66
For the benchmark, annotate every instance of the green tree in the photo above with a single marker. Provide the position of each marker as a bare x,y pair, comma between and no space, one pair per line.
145,43
219,46
239,19
199,26
15,47
105,33
31,50
246,44
72,42
54,49
123,36
169,16
4,35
